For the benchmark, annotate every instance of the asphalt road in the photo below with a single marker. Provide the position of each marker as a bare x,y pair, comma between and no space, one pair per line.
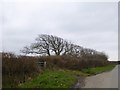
103,80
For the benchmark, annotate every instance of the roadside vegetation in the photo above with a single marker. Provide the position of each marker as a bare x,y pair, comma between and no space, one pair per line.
97,70
24,72
65,62
54,79
62,78
59,78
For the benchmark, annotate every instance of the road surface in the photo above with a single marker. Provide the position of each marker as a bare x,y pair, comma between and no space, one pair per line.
103,80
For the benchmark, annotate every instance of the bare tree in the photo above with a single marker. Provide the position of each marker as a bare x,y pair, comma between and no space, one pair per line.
57,44
41,46
77,50
49,44
72,49
46,44
68,47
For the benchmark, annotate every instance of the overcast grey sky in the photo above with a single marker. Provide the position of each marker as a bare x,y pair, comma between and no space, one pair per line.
88,24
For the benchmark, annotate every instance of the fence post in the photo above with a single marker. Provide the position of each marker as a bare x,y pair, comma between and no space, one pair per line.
45,64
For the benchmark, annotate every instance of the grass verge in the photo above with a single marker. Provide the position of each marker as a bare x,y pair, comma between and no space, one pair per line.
54,79
97,70
62,78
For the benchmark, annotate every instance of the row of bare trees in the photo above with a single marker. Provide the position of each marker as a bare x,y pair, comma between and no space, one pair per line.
49,44
53,45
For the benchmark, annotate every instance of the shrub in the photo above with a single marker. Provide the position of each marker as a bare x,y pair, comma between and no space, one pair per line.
16,70
69,62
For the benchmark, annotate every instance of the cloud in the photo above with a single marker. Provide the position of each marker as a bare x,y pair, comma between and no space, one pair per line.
92,25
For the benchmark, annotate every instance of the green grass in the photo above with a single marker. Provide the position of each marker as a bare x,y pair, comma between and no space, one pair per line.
97,70
53,79
62,78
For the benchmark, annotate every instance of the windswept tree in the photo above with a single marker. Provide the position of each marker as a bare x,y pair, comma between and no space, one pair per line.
77,50
68,48
46,44
72,49
57,44
90,54
41,46
49,45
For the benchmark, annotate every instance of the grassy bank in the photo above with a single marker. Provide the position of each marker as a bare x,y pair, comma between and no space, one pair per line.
54,79
62,78
97,70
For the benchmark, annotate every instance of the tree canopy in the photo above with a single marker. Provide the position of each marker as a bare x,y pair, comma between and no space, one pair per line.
52,45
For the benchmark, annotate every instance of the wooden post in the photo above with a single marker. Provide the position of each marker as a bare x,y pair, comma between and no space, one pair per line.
45,64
